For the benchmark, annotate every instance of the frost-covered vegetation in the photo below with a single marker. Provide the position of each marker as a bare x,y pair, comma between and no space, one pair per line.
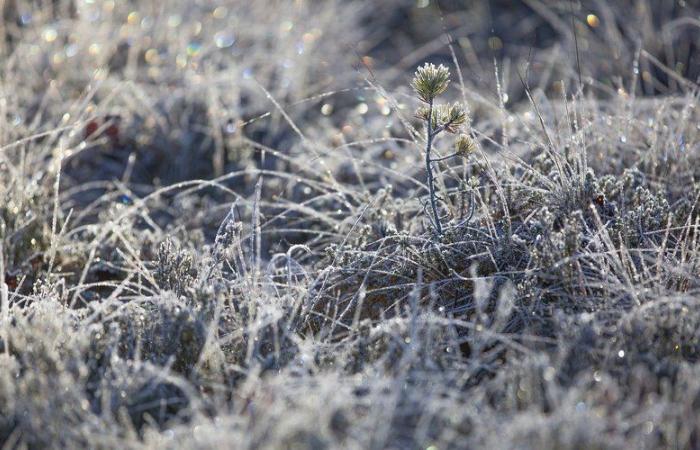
218,228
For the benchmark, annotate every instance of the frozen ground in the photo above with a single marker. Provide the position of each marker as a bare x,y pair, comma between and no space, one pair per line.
214,228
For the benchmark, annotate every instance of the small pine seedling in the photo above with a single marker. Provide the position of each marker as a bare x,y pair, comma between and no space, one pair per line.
429,82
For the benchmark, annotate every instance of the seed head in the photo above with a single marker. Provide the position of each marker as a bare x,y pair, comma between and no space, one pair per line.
452,117
423,111
465,145
430,81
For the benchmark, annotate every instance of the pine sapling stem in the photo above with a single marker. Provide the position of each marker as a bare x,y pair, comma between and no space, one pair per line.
429,169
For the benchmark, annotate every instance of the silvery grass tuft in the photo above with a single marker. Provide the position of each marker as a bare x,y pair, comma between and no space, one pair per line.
429,82
464,145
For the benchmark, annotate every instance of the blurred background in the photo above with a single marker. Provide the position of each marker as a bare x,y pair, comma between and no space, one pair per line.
173,85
